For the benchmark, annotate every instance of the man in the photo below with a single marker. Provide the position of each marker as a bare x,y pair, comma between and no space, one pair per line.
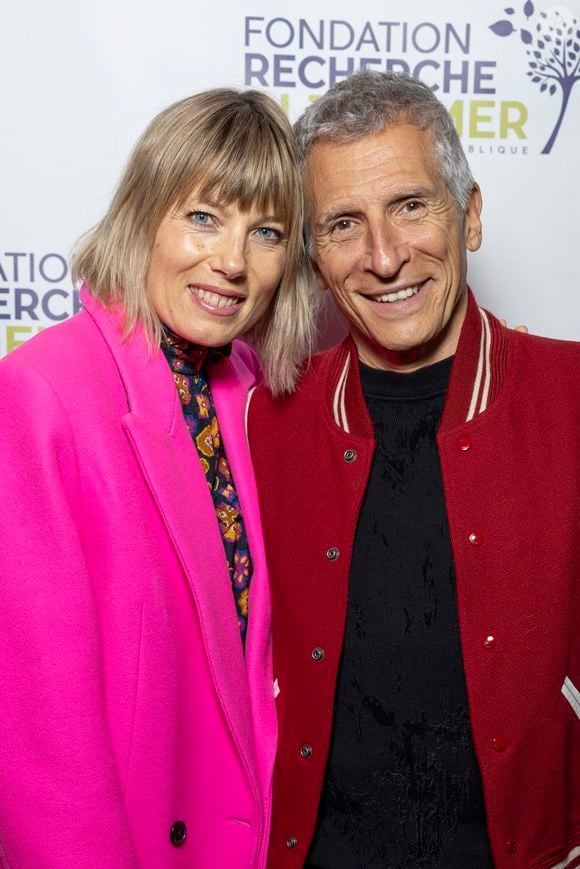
419,498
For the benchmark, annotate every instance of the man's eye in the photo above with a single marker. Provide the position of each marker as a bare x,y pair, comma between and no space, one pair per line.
341,225
413,206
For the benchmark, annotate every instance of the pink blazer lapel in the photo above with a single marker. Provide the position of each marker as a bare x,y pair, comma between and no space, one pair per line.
230,383
170,465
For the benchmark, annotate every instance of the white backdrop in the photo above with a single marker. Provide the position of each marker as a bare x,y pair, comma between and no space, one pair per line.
80,81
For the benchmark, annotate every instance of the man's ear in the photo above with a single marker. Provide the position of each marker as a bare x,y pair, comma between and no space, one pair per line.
472,220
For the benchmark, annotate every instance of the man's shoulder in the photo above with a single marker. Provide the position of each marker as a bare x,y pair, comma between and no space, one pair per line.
542,372
316,374
550,346
545,355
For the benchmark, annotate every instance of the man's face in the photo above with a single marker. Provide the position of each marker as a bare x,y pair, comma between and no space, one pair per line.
391,244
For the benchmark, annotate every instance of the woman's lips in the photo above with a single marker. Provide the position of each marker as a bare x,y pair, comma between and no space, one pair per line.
216,301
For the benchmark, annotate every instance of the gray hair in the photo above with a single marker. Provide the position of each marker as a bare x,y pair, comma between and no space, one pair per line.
369,101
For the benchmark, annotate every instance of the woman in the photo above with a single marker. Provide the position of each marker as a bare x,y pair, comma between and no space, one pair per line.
137,725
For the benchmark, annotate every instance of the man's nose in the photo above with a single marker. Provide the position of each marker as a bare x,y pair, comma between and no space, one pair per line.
386,251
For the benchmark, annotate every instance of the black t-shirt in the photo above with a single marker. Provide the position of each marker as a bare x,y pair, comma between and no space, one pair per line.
402,786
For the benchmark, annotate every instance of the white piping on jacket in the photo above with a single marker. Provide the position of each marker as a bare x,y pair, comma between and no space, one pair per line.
483,370
339,403
574,853
572,694
485,393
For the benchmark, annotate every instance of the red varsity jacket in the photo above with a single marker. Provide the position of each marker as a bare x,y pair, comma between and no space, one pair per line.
510,455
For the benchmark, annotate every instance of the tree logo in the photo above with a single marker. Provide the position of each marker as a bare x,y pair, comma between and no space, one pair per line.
552,40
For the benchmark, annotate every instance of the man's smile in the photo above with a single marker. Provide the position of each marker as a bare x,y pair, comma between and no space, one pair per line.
394,295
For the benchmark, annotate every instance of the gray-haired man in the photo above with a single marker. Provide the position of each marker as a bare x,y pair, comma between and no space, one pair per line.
419,498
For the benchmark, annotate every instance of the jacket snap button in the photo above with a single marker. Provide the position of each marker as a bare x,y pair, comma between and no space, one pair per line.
463,444
512,846
178,833
350,455
291,842
489,642
499,743
476,538
318,654
332,553
306,751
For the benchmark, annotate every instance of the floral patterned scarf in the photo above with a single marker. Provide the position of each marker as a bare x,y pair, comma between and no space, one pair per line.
187,362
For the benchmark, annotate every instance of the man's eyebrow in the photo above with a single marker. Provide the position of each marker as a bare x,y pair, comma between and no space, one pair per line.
348,210
334,214
414,193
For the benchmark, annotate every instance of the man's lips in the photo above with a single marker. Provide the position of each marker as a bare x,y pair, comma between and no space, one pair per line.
395,295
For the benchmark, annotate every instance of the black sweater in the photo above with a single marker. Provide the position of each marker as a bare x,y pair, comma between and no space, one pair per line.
402,785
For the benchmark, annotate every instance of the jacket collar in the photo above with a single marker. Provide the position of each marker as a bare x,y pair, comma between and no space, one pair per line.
476,376
478,369
137,365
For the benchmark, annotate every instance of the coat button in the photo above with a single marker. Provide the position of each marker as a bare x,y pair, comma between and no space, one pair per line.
489,641
476,538
318,654
350,455
306,751
291,842
499,743
512,846
332,553
463,443
178,833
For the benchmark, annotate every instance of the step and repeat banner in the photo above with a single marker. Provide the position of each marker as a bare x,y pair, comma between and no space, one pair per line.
80,80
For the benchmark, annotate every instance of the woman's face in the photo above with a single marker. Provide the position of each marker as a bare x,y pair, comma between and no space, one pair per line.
214,269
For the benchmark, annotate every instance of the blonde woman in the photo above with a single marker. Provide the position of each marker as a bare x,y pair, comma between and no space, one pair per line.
137,725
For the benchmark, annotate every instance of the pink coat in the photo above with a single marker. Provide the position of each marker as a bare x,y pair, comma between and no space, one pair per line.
126,704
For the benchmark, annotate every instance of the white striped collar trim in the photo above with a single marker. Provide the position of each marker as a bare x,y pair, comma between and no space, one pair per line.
339,400
573,855
480,395
572,694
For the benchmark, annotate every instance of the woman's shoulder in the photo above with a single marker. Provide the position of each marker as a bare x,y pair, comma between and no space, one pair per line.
54,343
64,359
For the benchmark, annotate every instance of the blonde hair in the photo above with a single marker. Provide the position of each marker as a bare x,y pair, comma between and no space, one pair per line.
231,146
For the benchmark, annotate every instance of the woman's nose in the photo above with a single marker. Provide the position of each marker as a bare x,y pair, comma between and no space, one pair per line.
229,259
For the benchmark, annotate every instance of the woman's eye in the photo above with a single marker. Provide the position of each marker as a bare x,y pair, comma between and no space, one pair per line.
268,233
200,217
